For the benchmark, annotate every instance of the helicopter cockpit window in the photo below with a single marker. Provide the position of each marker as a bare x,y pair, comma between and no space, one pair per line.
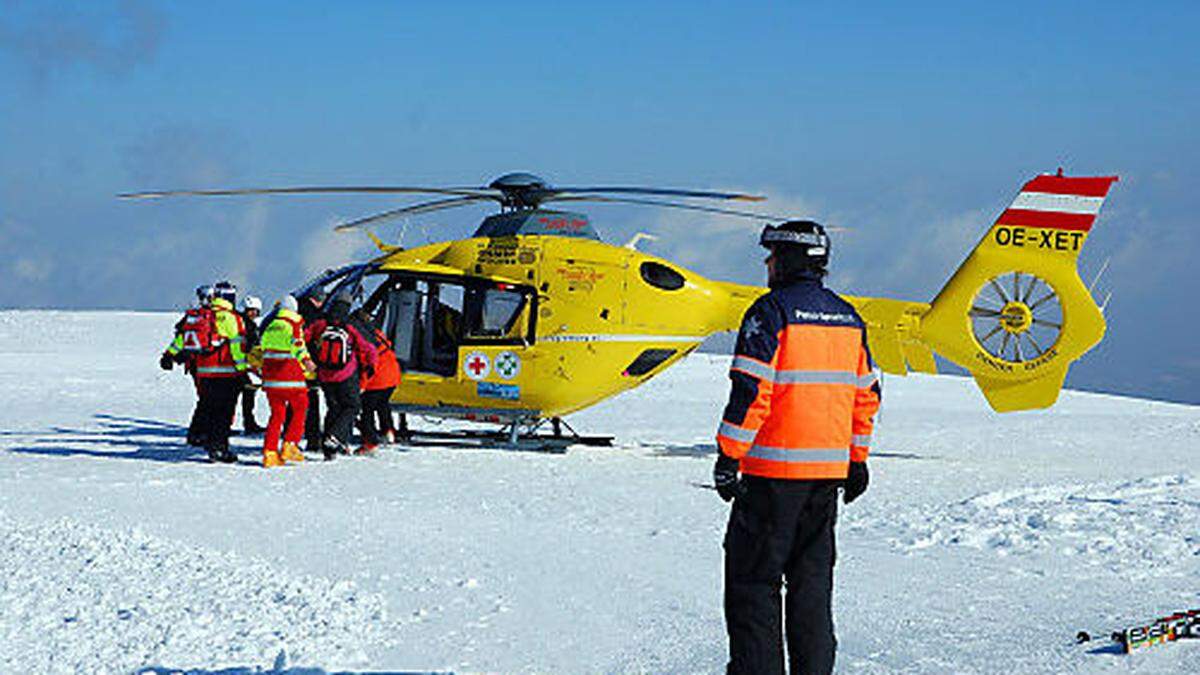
494,312
661,276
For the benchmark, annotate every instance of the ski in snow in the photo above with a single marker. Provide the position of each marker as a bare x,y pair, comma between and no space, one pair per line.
1165,629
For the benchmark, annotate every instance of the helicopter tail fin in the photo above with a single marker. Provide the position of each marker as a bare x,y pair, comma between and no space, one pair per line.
1016,313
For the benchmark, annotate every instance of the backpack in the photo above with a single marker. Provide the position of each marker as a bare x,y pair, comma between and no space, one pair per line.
334,347
198,328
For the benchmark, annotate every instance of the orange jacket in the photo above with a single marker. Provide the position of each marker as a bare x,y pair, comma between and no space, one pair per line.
804,390
387,368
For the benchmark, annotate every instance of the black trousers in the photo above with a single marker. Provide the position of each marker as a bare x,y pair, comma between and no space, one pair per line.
312,419
248,394
342,403
218,400
376,409
781,530
195,434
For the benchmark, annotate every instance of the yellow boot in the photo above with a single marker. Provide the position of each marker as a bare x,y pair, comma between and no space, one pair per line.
271,458
291,453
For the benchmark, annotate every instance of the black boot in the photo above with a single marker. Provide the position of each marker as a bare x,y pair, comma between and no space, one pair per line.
219,454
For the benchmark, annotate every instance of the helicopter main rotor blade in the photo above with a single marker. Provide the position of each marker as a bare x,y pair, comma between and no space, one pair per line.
426,207
483,193
661,192
668,205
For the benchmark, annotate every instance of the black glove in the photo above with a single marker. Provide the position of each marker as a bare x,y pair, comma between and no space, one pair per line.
166,361
856,481
370,371
725,477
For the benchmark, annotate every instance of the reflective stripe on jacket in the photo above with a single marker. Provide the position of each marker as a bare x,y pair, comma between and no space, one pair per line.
804,392
227,358
283,350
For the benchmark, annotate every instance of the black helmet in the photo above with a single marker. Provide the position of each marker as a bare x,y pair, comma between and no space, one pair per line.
226,291
204,294
800,246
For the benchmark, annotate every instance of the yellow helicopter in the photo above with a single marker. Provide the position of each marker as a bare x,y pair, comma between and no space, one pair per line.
535,317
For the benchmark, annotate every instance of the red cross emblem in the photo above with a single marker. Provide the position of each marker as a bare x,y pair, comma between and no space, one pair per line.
477,365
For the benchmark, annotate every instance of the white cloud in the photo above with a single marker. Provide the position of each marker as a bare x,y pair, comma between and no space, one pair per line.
248,241
326,248
32,269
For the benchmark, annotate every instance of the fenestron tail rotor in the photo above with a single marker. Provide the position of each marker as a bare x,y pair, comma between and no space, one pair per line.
1016,317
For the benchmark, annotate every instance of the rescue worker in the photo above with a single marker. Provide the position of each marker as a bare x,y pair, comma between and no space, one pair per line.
377,389
341,354
285,364
184,348
251,310
219,374
311,305
798,426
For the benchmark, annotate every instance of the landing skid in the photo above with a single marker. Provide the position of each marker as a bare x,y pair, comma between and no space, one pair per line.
513,436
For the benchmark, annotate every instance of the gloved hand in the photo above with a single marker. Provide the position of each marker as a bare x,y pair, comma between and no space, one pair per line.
370,371
725,477
856,481
166,361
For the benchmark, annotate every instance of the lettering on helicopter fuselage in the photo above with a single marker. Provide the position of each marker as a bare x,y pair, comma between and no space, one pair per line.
507,392
1006,367
562,224
1036,238
580,278
498,252
994,364
1040,361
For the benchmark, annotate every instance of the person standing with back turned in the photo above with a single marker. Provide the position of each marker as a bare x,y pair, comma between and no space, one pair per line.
285,364
797,426
342,353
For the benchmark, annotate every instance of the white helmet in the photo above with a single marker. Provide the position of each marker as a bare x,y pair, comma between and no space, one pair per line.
251,302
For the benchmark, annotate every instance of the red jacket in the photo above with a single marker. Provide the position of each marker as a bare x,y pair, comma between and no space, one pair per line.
362,352
227,359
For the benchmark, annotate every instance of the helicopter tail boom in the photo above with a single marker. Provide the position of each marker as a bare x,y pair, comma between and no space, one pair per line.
1016,313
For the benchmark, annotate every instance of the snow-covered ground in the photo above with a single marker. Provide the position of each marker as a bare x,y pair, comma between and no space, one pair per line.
985,542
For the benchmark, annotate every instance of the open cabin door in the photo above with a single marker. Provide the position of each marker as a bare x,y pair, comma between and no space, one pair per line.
461,341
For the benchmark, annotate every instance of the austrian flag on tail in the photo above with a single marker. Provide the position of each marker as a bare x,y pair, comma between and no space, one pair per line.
1058,203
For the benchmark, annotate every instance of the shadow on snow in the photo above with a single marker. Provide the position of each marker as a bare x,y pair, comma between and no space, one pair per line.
118,437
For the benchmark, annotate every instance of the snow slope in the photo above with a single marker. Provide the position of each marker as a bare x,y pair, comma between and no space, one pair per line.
985,542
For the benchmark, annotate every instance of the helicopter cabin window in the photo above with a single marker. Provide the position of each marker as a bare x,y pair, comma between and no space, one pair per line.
428,320
493,312
661,276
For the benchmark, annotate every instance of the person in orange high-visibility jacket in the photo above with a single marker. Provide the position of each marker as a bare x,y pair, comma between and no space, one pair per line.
377,387
285,368
798,427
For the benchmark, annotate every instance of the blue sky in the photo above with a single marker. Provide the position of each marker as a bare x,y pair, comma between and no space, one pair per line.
913,123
